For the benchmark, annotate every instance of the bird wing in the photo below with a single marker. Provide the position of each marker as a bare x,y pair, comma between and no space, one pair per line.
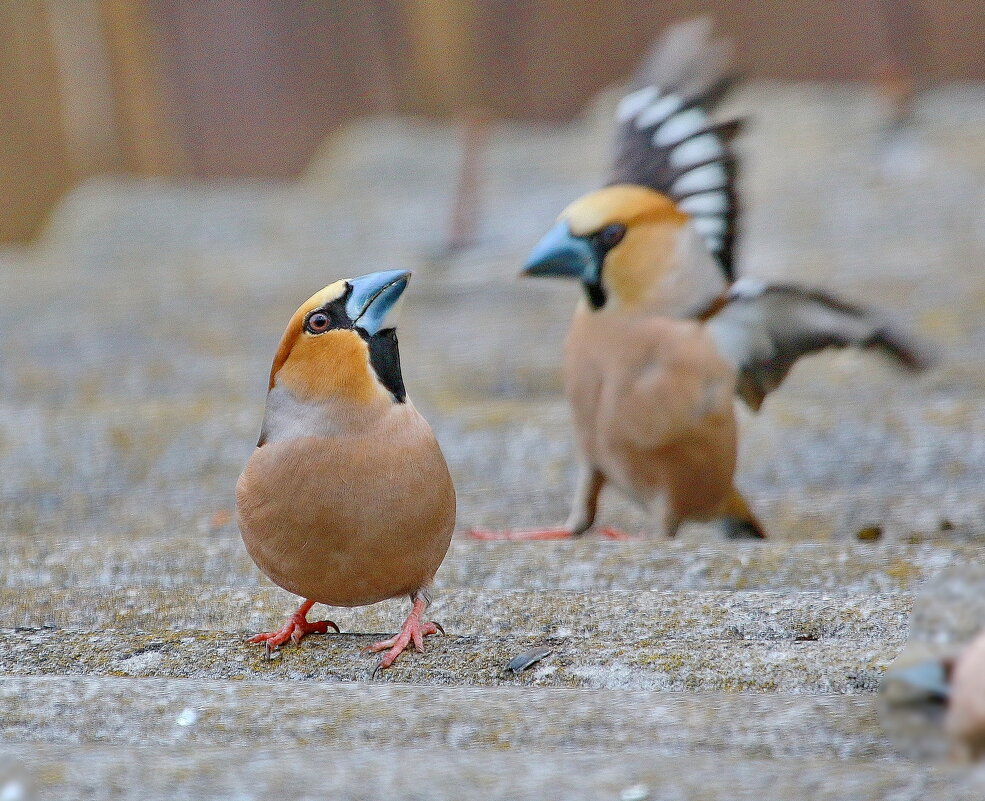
764,329
667,141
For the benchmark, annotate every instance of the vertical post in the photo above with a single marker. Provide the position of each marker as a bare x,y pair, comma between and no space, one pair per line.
149,140
464,225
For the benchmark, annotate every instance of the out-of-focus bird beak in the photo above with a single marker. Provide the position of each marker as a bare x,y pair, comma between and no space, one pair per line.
922,682
373,302
562,255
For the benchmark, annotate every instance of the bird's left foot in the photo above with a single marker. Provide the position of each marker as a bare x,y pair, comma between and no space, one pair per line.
414,631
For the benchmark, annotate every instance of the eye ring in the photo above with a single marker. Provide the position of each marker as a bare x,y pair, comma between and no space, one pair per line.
611,235
317,322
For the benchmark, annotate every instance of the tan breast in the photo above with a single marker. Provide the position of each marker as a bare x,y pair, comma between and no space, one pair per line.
350,520
653,407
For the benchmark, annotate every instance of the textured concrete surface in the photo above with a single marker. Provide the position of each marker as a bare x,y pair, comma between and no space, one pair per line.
137,338
176,561
317,772
162,712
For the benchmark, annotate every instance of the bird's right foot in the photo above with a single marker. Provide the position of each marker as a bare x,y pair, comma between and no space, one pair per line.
736,529
295,628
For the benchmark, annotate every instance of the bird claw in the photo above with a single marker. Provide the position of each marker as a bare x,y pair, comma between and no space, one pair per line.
412,631
295,629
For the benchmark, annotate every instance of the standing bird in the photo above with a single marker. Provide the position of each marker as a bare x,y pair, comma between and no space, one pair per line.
347,499
662,340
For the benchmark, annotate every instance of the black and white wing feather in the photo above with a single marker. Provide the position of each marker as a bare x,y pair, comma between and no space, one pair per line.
764,329
667,141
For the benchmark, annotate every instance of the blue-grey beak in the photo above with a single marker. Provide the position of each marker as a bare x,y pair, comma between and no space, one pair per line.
919,683
563,255
374,297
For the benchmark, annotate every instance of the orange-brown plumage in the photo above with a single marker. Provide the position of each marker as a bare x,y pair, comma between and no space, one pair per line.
652,406
663,340
366,517
347,499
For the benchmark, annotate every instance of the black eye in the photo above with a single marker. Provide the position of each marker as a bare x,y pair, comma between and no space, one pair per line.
317,323
611,235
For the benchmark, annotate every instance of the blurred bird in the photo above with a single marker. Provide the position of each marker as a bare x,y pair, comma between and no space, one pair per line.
965,721
660,343
934,690
347,499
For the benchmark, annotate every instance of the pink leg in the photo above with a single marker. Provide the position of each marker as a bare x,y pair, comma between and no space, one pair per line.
413,630
616,534
584,506
544,534
295,629
529,534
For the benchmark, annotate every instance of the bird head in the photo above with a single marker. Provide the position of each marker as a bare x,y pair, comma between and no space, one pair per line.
342,342
631,247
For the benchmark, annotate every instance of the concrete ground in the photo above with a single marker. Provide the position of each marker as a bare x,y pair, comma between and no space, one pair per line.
137,338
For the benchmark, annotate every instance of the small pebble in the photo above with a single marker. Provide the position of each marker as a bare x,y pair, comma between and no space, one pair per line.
522,661
187,717
638,792
869,534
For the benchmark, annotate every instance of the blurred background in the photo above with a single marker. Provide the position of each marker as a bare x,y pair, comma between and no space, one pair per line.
252,87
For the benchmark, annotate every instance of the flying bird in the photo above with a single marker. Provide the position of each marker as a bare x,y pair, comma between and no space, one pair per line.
663,338
347,499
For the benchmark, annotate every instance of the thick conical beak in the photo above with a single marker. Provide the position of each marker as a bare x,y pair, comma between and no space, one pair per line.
373,306
563,255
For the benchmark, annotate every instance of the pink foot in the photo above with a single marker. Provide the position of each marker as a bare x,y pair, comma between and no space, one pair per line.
413,631
295,629
544,534
616,534
529,534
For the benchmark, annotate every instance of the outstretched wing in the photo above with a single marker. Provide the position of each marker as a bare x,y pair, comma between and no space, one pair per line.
764,329
667,141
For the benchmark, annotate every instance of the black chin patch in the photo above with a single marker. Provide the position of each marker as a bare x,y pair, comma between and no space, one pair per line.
385,358
600,247
596,294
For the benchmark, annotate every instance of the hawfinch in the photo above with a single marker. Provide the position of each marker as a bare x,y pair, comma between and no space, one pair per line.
662,340
347,499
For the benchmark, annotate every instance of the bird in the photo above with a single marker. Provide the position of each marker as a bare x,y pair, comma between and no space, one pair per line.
664,336
933,697
965,719
347,499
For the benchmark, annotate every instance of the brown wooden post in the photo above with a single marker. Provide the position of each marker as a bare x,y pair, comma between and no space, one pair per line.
34,163
149,138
